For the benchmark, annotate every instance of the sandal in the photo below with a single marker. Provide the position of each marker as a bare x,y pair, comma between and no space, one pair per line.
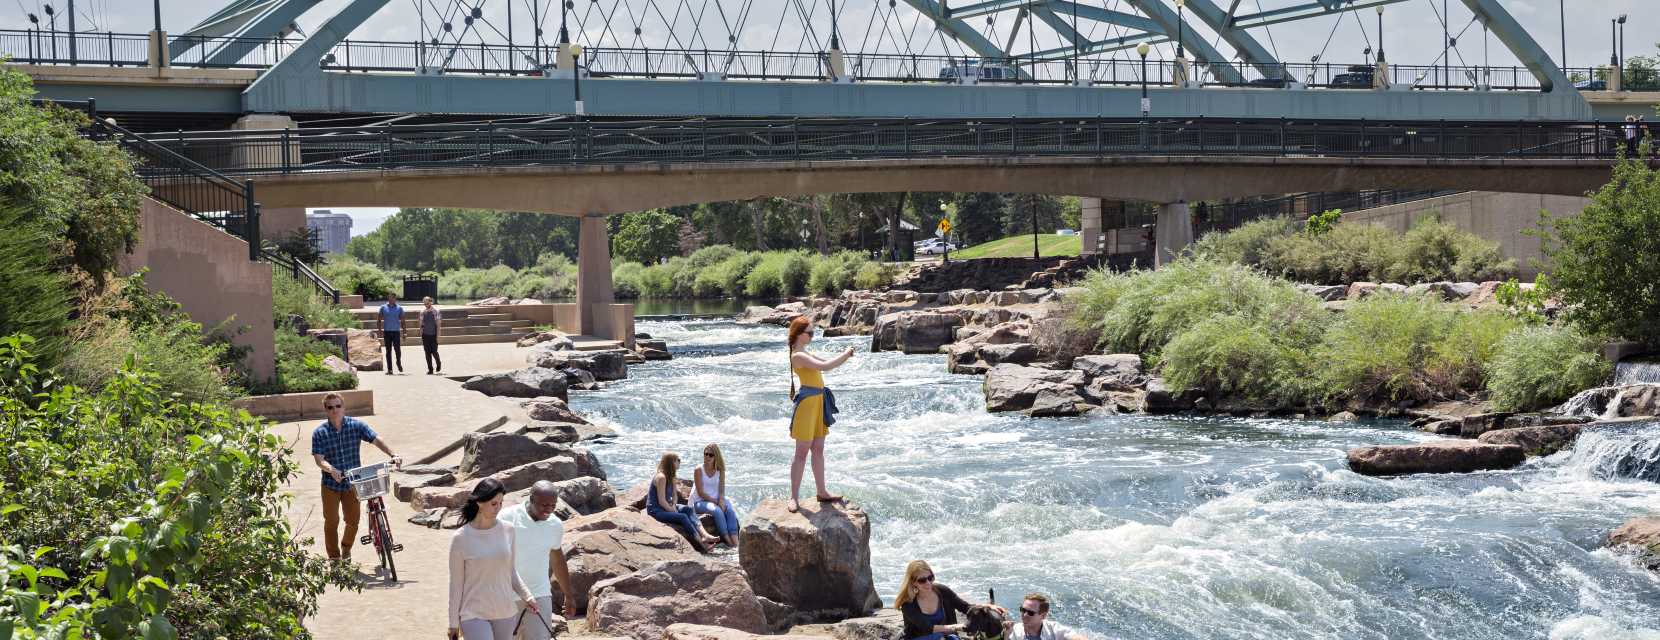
831,498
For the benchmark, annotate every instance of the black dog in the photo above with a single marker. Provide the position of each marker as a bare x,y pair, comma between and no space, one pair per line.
983,622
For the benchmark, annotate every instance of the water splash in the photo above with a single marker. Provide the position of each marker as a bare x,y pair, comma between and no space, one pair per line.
1606,453
1636,372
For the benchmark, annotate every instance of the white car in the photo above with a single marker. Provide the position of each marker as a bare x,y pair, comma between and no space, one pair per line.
934,246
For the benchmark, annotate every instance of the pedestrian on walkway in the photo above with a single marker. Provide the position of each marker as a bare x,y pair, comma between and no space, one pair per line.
335,448
815,409
431,322
539,536
486,594
391,331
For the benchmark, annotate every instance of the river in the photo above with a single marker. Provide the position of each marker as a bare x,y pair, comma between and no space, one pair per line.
1161,527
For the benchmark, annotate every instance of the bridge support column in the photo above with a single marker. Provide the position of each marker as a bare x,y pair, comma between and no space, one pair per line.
264,155
593,278
1089,226
1172,234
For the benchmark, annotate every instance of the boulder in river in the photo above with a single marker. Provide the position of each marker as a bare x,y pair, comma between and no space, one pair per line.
1535,441
529,382
616,542
1113,372
551,410
914,331
816,560
604,364
1641,535
1442,456
644,603
555,469
1012,387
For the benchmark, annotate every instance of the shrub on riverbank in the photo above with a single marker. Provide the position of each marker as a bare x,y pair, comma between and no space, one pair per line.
1398,347
129,321
553,276
1541,366
291,297
1606,260
358,278
1432,250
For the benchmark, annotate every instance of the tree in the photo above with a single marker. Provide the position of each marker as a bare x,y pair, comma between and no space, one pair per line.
980,217
1605,262
1023,205
646,236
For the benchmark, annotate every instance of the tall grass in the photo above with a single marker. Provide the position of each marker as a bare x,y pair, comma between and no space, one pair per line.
1430,251
1541,366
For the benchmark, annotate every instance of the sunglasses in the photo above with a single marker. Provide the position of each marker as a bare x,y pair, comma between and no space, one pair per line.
925,579
1027,612
708,455
332,407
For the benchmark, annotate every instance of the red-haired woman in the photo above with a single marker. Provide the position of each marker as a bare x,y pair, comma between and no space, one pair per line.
815,409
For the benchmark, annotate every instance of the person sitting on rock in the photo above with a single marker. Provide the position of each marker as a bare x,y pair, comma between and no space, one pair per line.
709,482
1035,624
663,503
930,609
815,409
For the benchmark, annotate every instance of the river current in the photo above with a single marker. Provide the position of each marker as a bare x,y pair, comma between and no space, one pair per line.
1161,527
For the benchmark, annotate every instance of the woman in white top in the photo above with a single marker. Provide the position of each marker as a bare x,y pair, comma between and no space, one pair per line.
709,480
486,594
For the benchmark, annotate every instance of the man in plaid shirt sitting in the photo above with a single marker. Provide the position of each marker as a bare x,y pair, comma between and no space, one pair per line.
334,445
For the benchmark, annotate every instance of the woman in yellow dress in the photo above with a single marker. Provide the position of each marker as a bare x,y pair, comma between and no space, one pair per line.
815,409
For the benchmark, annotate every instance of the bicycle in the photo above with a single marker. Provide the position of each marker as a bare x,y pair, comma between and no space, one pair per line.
371,482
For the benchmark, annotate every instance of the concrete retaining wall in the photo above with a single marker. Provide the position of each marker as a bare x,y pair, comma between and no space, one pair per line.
1500,217
305,406
208,272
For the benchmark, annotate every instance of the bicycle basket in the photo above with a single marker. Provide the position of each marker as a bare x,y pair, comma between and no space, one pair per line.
371,481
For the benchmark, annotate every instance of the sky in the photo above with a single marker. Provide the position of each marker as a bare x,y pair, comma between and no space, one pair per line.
1412,29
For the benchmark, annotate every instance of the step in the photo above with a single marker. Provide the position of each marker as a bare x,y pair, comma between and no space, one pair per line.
511,323
491,316
481,339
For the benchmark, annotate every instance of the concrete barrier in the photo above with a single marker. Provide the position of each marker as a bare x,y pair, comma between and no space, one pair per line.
288,407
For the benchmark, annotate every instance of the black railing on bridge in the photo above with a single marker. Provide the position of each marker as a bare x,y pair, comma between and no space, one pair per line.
132,49
566,142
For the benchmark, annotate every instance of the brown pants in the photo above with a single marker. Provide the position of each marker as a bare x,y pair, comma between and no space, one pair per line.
334,504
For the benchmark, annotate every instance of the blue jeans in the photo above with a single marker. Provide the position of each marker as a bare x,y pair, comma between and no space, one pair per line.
726,518
684,518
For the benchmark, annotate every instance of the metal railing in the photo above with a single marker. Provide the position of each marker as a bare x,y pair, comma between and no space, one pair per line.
567,142
132,49
1231,215
301,271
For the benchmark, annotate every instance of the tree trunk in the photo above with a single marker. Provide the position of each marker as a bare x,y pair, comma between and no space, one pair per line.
817,205
758,220
893,226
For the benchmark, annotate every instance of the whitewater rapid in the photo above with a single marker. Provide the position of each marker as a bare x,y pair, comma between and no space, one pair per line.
1162,527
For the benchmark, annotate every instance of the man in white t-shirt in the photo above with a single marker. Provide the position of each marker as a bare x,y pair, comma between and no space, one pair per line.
1035,624
539,534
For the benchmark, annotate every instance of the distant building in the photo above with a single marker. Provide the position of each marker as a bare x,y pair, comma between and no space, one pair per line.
333,230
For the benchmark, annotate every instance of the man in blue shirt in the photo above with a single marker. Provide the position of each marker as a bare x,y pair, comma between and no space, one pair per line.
391,329
334,446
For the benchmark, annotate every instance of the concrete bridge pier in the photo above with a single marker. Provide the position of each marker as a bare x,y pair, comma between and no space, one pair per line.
1089,226
1173,233
594,295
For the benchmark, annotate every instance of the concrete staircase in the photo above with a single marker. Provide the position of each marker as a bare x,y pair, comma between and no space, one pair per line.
461,325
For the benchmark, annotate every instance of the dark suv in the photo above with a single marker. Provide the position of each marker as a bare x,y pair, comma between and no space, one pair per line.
1358,77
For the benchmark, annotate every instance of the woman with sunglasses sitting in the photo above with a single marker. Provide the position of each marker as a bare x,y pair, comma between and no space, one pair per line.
709,485
930,609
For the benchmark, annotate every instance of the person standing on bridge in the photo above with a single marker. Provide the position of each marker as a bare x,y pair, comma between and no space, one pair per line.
815,409
391,331
1631,136
431,322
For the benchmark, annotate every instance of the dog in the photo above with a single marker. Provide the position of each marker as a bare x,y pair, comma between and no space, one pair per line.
983,622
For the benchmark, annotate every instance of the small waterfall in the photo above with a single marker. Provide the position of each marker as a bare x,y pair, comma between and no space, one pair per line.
1636,372
1618,452
1604,403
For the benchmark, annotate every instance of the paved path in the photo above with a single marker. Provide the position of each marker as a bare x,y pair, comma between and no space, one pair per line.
417,414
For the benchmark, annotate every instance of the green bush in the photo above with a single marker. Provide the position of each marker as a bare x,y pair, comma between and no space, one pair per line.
779,273
1245,244
625,279
1431,251
832,274
1434,250
358,278
129,321
300,366
1606,260
662,280
1141,311
131,513
1410,348
1235,355
1346,253
291,297
872,275
1540,366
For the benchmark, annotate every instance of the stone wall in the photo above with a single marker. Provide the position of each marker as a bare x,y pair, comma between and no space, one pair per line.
208,272
1499,217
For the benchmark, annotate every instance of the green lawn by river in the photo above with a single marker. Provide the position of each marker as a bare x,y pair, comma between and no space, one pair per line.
1021,247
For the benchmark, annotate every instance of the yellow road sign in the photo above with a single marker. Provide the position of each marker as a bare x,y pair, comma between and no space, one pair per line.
945,225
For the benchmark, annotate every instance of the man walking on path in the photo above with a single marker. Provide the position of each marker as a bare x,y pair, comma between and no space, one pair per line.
335,448
538,537
391,330
431,322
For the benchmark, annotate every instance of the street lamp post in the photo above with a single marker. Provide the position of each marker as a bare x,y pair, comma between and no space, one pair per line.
1621,66
1380,34
1181,55
564,34
576,78
1146,103
1562,27
1031,207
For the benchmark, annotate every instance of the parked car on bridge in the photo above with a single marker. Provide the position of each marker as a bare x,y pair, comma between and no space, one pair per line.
1591,85
1358,77
933,246
974,69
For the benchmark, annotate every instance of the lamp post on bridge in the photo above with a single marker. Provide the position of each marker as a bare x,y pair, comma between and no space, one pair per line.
1380,76
576,78
1180,73
1621,66
1146,103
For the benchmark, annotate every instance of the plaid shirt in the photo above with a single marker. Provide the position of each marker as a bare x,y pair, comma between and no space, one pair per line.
340,448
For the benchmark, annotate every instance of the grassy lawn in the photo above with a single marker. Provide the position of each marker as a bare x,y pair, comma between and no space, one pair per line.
1021,247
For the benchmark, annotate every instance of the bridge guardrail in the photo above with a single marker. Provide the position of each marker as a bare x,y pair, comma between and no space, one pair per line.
504,144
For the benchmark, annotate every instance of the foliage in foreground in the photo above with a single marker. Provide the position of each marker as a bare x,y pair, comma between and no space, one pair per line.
129,513
1232,331
1605,262
1431,251
35,297
300,367
1541,366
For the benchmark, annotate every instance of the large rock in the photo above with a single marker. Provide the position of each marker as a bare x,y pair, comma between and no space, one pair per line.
816,560
1016,353
1641,535
556,469
363,350
1012,387
585,495
530,382
1474,426
1326,293
616,542
1535,441
682,631
643,604
884,624
1058,401
605,364
1450,456
914,331
488,453
1114,372
411,477
551,410
635,497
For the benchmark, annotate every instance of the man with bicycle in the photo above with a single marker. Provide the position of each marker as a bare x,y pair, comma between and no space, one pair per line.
335,448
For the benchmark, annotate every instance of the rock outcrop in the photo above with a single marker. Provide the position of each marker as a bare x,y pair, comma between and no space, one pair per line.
1449,456
530,382
557,470
363,350
613,543
1642,536
816,560
644,603
489,453
1535,441
683,631
604,365
1012,387
914,331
